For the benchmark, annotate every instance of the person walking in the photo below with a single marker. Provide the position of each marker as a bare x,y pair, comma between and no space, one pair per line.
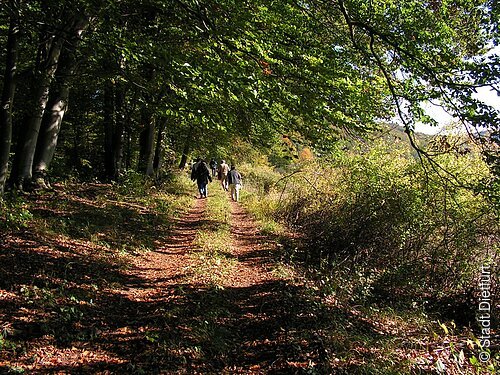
213,167
223,171
234,180
201,174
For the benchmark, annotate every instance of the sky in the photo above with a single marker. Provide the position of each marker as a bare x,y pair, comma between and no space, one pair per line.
485,94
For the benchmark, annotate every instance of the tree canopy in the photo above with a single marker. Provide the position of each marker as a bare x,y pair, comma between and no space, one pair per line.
192,75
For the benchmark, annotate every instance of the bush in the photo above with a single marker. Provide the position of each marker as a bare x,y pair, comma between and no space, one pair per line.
383,222
259,178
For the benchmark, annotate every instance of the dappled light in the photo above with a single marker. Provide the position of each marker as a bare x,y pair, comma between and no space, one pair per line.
207,291
223,187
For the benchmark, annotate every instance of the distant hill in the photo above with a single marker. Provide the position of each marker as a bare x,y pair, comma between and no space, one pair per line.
392,132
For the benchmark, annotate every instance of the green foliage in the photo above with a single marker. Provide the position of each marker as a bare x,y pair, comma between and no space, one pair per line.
215,70
14,212
5,343
133,183
261,177
381,221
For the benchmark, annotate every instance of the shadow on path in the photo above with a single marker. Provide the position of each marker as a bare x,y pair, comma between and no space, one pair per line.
66,309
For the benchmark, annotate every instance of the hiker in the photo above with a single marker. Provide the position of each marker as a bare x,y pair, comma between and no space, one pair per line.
234,181
201,174
222,174
213,167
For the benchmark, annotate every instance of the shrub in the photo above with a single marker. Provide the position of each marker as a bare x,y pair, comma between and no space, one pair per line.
383,221
259,178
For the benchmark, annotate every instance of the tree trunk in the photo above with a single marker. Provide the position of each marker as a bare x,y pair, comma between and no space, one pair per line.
187,147
49,132
57,105
109,129
9,88
25,156
114,126
158,158
146,143
147,135
118,134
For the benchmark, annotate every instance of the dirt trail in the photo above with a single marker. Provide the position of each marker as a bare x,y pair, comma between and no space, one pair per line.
73,306
157,273
245,323
153,317
251,249
170,263
166,265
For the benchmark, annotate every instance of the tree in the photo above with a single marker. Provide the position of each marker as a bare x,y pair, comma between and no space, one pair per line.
59,25
9,87
57,103
314,71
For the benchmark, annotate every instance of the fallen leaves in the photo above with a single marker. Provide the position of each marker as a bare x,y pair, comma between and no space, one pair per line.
69,304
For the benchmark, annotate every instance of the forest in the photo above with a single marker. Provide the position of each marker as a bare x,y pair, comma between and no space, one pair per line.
359,245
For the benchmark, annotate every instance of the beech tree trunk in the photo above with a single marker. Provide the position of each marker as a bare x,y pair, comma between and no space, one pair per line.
109,128
114,125
146,143
118,139
51,50
49,133
8,92
57,106
158,158
147,135
186,149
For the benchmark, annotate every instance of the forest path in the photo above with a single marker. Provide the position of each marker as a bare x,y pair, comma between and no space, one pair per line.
239,322
206,299
165,266
80,295
172,262
251,249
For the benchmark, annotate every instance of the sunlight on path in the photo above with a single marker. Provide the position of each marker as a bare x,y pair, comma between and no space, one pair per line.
251,249
167,264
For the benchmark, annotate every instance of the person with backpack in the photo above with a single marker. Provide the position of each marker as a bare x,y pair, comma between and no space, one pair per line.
234,180
201,174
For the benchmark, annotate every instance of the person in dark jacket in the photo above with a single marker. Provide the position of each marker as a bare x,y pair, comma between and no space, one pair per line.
213,167
201,174
234,181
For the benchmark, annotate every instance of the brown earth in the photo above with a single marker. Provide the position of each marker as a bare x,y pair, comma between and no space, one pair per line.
72,303
67,308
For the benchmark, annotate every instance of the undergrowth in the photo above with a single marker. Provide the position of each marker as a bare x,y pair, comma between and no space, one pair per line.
120,217
64,250
375,230
14,212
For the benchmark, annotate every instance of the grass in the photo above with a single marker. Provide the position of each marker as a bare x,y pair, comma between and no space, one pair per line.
262,208
111,217
214,262
363,338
